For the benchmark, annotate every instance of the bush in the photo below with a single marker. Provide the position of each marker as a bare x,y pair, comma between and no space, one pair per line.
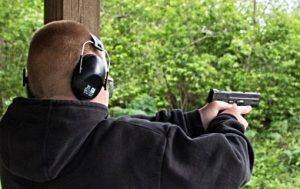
277,156
218,44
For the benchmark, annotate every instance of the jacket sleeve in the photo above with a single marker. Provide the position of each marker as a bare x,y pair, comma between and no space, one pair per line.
220,158
190,122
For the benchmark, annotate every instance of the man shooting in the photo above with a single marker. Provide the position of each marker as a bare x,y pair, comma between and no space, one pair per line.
60,136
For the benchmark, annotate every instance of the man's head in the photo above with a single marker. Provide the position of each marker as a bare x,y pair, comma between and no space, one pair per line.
54,52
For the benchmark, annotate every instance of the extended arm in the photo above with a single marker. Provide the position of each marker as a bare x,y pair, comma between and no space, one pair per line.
190,122
221,158
195,123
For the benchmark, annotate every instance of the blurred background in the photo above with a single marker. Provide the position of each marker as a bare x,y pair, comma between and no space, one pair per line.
170,53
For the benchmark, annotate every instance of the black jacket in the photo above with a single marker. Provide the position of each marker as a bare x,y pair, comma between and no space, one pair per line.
71,144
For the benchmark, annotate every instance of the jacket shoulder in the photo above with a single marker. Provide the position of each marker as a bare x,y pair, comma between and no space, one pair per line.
142,125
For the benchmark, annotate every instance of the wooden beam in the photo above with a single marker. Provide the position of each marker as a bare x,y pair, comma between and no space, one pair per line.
86,12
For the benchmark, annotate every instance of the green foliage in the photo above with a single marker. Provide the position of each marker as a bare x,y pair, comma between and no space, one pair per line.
277,156
143,104
176,50
117,111
169,53
18,19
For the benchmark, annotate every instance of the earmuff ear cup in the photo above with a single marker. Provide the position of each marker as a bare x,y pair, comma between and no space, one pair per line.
26,85
87,82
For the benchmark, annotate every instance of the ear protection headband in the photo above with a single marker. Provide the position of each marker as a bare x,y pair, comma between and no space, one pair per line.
91,73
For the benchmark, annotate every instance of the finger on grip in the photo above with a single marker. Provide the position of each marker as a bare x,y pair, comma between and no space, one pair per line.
244,109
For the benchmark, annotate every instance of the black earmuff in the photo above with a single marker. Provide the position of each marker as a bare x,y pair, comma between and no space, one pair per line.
26,85
90,73
88,77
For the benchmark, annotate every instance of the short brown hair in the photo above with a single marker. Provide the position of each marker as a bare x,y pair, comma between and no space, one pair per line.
53,54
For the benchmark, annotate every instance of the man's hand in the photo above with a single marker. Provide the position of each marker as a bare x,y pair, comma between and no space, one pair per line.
211,110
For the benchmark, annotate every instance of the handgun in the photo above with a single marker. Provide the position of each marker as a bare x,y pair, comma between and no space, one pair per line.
240,98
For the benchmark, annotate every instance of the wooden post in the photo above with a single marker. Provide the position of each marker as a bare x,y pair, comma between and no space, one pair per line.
86,12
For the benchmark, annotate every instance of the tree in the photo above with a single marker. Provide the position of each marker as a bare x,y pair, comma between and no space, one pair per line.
18,19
